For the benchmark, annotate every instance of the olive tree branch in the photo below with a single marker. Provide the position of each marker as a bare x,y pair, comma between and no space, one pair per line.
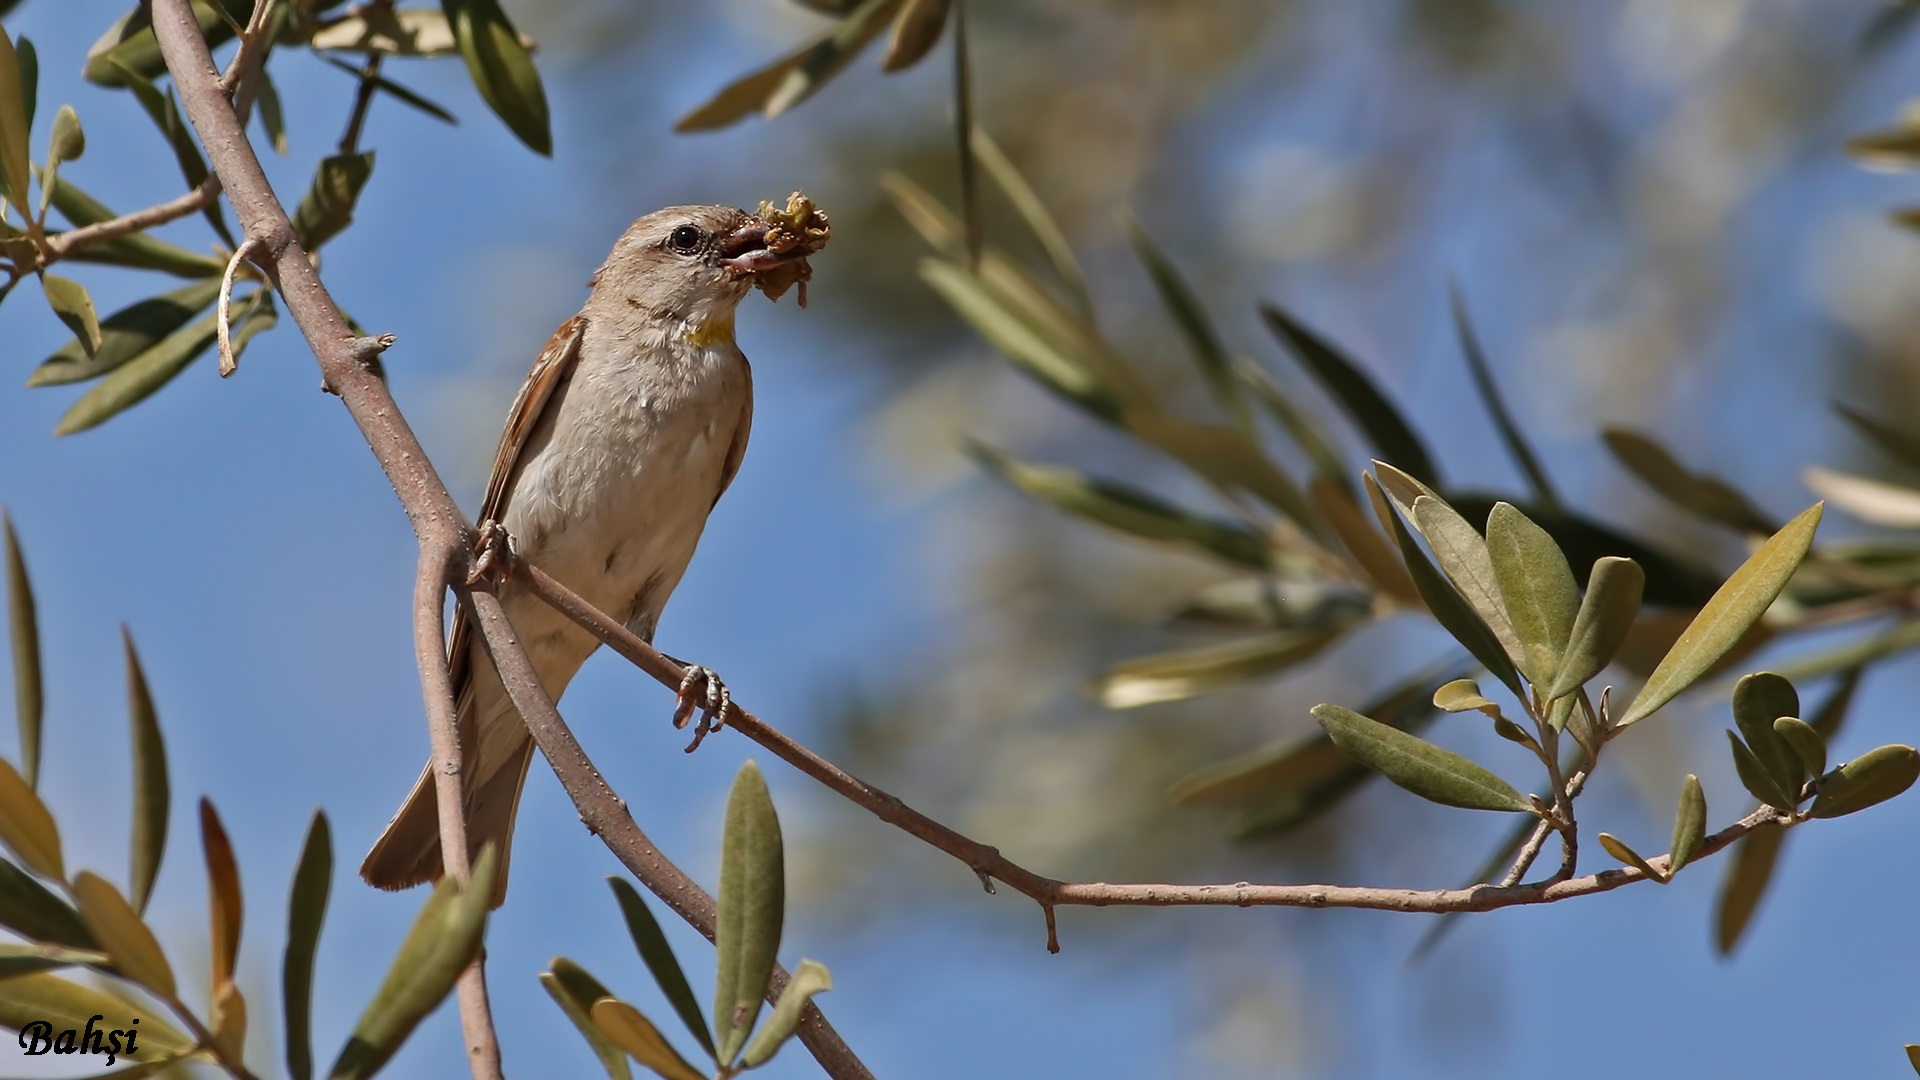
987,862
347,367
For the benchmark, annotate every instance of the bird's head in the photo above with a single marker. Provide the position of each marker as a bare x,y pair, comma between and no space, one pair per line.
691,263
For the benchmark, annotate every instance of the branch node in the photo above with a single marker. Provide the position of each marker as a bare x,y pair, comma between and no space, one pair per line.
986,880
1053,929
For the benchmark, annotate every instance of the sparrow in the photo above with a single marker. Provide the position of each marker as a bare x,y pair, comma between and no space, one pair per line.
630,427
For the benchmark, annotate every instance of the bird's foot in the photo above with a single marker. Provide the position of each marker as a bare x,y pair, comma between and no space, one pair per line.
493,553
702,691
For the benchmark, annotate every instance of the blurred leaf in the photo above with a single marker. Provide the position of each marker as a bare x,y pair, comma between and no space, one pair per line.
165,114
126,334
808,979
31,910
1606,615
1754,777
328,206
122,935
1806,743
1127,509
70,301
27,828
445,938
1874,501
1455,614
1291,783
224,908
1034,212
228,1022
1899,443
1758,700
1868,780
138,251
1014,334
1892,150
1176,676
915,32
1746,882
1211,356
1736,606
1689,824
747,94
1356,395
575,991
67,143
1420,767
636,1035
963,126
794,77
135,380
16,170
751,904
1898,638
23,627
306,911
394,32
1368,548
1510,433
1537,588
1223,457
131,44
272,121
395,90
1464,557
502,70
1618,848
151,796
1305,432
64,1004
1263,604
653,948
830,55
28,958
1698,494
1913,1056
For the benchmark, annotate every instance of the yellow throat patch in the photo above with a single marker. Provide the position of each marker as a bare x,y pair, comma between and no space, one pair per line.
714,333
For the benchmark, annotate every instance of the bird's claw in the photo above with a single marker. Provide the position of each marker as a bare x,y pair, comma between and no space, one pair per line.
702,691
493,553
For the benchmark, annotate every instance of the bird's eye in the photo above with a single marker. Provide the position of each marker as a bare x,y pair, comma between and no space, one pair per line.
685,239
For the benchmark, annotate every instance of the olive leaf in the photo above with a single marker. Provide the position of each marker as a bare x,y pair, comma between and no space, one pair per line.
1420,767
1736,606
502,70
1356,394
750,906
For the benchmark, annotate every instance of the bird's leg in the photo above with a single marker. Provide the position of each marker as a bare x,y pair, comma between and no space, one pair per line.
701,690
493,553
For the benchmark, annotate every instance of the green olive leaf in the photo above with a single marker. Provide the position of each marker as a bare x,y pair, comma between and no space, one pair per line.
1870,779
1758,700
1356,394
1607,611
1736,606
502,69
750,906
1689,824
1420,767
1537,589
23,627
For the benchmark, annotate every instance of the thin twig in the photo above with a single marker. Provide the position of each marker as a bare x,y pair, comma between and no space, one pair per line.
223,309
449,783
63,244
605,815
987,861
362,103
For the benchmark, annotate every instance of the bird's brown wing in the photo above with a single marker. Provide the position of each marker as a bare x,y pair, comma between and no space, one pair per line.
737,450
529,408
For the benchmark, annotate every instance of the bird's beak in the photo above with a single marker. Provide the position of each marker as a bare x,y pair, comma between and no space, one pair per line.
744,251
